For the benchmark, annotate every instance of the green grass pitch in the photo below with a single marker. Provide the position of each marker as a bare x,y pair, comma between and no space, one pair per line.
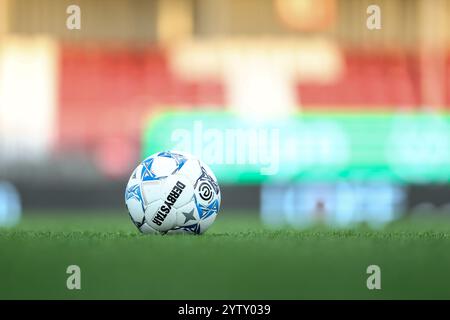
236,259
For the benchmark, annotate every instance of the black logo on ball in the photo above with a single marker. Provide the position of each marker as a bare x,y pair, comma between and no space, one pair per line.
205,191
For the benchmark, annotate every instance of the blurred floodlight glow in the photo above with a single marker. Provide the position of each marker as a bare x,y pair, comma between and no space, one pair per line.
259,74
259,89
27,97
174,20
10,205
307,14
313,59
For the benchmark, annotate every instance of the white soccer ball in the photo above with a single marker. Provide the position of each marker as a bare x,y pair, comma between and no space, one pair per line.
172,192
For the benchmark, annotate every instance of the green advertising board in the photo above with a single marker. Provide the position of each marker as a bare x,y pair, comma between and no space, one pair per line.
310,147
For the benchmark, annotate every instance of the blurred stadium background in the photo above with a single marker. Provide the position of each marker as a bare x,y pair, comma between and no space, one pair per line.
331,121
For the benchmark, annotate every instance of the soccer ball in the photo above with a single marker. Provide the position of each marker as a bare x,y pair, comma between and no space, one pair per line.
172,192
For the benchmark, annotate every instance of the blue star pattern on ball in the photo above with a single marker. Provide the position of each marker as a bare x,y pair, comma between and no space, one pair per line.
207,211
194,228
179,158
203,213
134,192
147,174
